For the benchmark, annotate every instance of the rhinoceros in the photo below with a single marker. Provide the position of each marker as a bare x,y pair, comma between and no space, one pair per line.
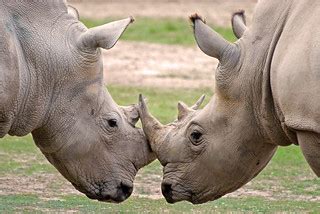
51,85
267,88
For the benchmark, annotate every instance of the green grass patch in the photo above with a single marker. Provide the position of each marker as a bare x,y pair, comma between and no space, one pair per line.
21,156
29,203
163,31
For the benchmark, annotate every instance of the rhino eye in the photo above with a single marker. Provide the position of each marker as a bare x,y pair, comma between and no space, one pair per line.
112,123
196,137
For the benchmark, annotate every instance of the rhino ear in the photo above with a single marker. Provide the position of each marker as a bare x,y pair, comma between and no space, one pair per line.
238,22
73,12
104,36
210,42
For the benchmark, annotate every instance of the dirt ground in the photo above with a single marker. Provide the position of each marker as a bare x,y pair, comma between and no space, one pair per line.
54,186
138,63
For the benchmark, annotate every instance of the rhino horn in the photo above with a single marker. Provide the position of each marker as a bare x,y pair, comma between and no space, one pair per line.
104,36
184,110
198,103
238,22
209,41
151,126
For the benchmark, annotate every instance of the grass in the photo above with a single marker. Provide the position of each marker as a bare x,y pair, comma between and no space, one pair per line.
163,31
29,203
287,178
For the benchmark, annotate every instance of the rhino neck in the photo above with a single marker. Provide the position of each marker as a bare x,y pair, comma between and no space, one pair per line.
259,44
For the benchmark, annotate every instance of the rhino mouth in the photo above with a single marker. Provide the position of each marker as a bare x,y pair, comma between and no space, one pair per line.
175,192
112,194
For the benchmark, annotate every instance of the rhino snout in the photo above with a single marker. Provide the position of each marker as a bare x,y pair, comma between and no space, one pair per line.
108,192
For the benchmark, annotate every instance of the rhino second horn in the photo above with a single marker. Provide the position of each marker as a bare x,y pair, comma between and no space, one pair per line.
197,105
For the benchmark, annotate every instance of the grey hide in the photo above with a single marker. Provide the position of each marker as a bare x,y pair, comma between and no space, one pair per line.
51,85
267,94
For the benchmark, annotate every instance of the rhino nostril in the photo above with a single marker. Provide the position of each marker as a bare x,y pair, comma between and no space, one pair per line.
126,189
166,189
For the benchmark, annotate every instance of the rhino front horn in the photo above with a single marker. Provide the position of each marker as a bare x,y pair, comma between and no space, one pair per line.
151,126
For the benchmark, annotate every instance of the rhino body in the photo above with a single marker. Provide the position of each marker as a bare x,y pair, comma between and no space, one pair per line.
266,95
51,86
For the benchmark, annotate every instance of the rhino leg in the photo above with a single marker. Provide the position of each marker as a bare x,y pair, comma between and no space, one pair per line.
310,145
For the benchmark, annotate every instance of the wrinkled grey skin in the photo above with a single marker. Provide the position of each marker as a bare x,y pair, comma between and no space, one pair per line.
51,85
266,95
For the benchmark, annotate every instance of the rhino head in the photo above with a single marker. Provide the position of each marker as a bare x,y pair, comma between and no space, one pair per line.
213,151
91,140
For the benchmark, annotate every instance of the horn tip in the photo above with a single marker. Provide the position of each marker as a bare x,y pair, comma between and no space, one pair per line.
142,102
203,97
141,98
195,17
241,13
131,19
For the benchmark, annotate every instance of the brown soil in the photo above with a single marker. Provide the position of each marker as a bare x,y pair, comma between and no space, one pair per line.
51,186
137,63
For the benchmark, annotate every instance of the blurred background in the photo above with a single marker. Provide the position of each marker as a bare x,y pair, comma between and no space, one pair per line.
156,56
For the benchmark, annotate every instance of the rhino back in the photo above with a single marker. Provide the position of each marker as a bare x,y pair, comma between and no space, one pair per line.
295,71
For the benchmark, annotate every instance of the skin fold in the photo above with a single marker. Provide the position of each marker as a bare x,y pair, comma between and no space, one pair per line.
266,95
51,85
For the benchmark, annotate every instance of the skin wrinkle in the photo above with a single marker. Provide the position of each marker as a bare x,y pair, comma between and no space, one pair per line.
24,96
